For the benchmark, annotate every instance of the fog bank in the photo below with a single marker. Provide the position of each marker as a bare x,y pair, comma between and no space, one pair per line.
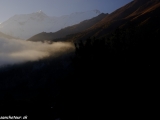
13,51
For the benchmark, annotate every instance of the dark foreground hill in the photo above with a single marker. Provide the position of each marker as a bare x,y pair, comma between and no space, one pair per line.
36,88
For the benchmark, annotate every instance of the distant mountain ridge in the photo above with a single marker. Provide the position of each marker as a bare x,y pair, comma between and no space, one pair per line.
135,13
25,26
68,30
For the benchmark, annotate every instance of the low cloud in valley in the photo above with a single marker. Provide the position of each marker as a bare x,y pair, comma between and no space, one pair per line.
13,51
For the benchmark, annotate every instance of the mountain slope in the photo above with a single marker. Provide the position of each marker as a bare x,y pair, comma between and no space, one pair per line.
26,25
68,30
134,13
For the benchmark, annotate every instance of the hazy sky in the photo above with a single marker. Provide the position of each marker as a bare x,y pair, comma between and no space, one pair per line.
8,8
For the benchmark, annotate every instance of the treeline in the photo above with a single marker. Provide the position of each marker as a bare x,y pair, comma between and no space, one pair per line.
136,46
117,69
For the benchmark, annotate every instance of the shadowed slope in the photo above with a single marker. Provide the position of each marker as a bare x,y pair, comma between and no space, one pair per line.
133,13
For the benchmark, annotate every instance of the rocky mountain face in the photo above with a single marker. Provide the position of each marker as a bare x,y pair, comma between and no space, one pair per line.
25,26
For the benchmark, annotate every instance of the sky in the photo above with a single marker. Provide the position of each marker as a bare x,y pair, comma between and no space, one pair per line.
9,8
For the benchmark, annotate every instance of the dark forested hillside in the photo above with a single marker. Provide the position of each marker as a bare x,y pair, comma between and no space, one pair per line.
120,71
34,88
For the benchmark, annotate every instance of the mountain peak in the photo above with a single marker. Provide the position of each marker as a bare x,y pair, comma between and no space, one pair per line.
97,11
40,12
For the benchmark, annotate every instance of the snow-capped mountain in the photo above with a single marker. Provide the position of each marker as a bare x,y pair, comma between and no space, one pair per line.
25,26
